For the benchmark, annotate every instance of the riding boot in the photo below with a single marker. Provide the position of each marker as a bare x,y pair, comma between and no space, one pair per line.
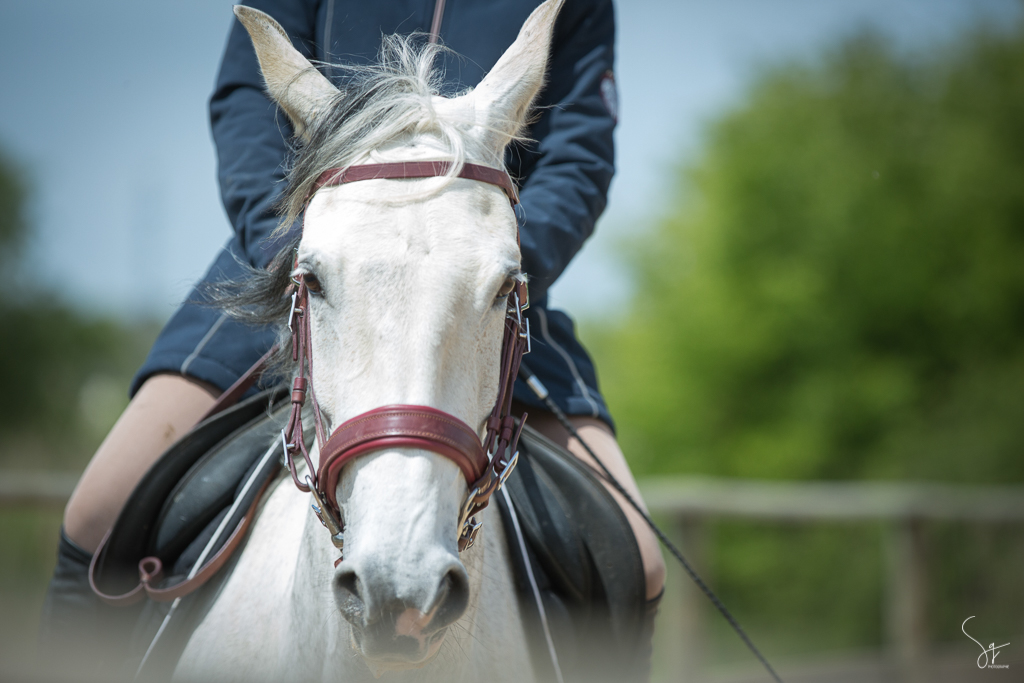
69,624
70,604
645,643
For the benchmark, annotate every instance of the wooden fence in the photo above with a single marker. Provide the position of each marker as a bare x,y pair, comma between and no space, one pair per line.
905,508
689,503
36,489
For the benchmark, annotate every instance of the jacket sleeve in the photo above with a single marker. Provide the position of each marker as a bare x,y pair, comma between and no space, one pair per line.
568,169
250,134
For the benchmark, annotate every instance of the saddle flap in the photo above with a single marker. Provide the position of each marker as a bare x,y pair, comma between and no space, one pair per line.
130,539
550,526
602,526
211,484
590,573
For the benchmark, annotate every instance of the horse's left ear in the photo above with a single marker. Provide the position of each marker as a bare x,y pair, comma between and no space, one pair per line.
291,80
503,98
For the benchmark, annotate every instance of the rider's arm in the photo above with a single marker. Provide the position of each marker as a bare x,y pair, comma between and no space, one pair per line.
249,132
570,167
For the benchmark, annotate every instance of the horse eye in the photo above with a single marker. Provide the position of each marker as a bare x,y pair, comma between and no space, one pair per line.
506,288
312,284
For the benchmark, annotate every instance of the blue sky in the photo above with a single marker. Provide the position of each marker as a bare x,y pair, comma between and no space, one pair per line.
104,108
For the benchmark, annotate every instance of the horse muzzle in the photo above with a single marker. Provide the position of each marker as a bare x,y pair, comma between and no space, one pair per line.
392,629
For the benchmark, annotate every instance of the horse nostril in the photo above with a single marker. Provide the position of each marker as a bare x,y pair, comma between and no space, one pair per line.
348,597
452,598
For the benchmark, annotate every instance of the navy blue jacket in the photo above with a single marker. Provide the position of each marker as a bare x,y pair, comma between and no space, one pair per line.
564,175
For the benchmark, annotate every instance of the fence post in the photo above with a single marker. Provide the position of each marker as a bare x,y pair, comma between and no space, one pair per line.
681,632
906,598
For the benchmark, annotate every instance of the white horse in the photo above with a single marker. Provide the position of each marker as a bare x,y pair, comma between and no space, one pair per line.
409,279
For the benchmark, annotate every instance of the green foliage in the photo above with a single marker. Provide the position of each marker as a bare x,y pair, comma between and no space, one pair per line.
800,587
29,542
975,569
838,289
65,379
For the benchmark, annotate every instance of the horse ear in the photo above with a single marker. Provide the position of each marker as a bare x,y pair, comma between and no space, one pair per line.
291,80
503,98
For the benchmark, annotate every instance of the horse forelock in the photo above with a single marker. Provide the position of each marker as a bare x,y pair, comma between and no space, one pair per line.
378,105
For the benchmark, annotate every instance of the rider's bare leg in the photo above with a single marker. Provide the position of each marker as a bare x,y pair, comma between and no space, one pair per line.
164,408
601,440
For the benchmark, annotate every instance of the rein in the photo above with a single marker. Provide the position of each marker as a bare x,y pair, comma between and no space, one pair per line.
485,464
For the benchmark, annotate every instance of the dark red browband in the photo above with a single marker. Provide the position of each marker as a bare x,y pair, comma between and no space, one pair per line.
485,464
416,169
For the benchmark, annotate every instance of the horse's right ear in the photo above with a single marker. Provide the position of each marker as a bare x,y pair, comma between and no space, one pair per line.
291,80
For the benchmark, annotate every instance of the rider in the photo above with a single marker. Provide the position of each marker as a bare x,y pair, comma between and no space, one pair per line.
564,175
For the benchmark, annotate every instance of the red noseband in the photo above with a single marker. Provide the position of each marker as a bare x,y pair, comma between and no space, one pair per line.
402,427
485,465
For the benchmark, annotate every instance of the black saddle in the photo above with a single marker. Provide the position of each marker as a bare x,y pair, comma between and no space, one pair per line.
173,513
583,557
585,563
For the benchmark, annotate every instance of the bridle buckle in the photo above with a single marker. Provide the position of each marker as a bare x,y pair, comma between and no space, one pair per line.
468,523
469,532
295,309
326,517
507,470
524,334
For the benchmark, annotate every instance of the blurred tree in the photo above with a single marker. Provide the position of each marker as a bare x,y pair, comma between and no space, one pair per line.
838,289
837,292
12,220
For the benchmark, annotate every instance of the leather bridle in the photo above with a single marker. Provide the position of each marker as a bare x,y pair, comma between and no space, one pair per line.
485,464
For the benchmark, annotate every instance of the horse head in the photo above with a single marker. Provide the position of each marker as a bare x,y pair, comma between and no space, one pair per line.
407,284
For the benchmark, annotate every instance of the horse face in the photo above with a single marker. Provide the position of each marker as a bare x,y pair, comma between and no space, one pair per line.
405,278
408,313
